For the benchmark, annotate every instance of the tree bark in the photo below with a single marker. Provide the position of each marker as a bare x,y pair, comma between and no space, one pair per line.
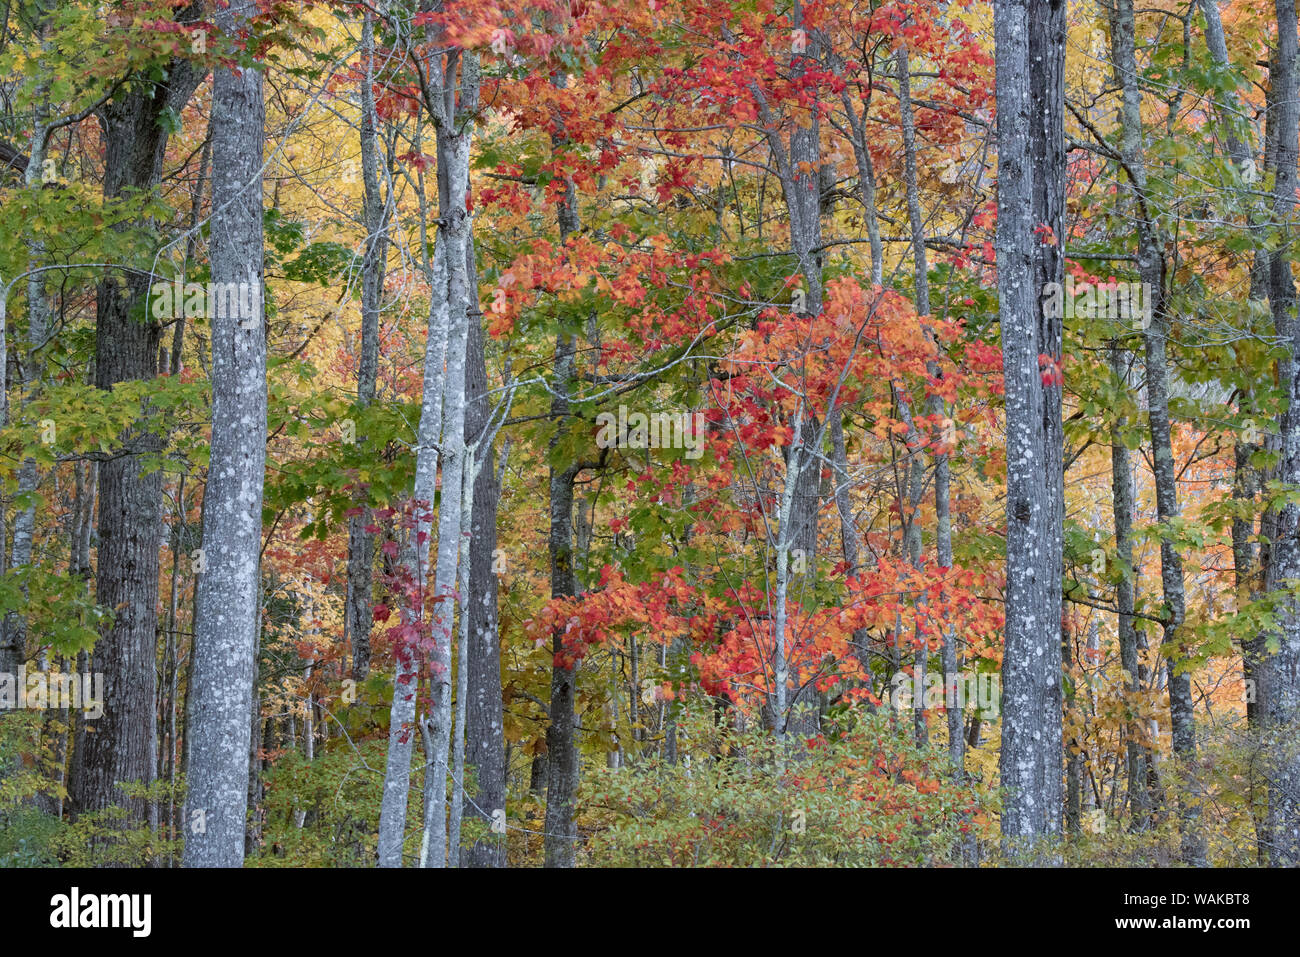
402,717
562,755
484,717
226,613
415,558
1151,269
455,134
798,165
373,267
1282,706
935,408
1122,499
1030,56
130,501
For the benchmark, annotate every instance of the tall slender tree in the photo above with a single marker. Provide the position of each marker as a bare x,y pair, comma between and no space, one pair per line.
373,268
1030,73
1151,269
484,719
1282,704
226,599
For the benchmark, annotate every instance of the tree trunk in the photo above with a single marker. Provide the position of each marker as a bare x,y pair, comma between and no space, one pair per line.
798,169
415,559
562,756
130,501
935,408
256,789
1151,269
1282,705
454,139
1073,757
1029,35
561,748
31,371
485,721
373,268
226,613
402,718
1121,483
462,662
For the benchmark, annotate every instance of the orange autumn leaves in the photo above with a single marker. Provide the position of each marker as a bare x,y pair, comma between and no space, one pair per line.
865,347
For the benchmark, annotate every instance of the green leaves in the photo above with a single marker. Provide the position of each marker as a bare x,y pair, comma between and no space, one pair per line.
59,615
353,455
72,420
322,263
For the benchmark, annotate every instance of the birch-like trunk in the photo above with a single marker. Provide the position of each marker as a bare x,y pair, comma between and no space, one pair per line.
798,166
226,612
1122,499
402,719
454,140
415,557
13,629
484,719
1030,759
1151,269
1282,709
785,537
935,408
850,541
462,661
373,267
30,374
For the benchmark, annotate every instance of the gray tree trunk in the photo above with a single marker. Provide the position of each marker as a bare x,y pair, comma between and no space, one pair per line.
256,788
917,462
373,267
1151,269
441,437
867,196
797,165
1029,52
1047,145
1246,478
226,613
866,183
484,718
560,842
455,135
562,757
1073,756
130,501
850,541
1122,499
1283,704
31,366
458,782
935,408
402,718
415,558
